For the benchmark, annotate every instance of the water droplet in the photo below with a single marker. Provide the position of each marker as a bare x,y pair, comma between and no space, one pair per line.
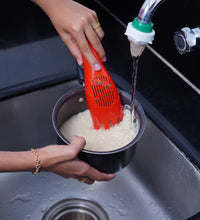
81,99
121,208
114,194
44,208
22,197
51,199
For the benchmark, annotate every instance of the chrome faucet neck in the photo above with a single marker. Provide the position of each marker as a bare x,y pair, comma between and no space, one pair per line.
147,10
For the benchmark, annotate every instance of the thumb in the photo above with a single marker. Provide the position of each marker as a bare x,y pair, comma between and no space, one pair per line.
77,143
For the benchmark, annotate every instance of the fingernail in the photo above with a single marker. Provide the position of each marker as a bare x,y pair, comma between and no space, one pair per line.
97,67
79,61
104,59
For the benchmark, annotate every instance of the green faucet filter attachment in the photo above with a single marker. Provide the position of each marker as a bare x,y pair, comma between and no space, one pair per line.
140,32
141,26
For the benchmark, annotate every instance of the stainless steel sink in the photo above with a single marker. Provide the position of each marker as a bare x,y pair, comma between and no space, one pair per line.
160,183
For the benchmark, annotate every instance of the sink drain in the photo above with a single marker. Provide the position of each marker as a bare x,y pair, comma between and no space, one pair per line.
76,209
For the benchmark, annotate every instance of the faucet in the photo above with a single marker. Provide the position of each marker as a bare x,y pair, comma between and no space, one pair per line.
187,39
147,10
140,32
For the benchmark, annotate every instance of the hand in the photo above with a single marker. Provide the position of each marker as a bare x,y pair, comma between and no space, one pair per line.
62,160
76,25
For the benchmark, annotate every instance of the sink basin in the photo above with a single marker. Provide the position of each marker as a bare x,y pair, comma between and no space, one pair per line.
159,183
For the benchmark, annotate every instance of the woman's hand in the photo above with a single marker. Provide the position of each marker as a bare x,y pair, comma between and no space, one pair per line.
76,25
62,160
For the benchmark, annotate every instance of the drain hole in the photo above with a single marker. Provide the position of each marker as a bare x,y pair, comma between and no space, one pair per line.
76,209
75,216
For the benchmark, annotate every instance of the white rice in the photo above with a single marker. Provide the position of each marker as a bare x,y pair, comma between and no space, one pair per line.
100,140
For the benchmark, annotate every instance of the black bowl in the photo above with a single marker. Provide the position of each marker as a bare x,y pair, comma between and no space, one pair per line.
74,102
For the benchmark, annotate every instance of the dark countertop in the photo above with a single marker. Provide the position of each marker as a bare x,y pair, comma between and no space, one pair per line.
33,57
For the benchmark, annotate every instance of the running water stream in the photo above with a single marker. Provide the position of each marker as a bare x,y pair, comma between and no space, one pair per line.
133,84
136,51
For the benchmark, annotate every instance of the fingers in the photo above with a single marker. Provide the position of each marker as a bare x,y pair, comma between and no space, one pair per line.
96,26
94,33
95,41
99,176
78,45
87,173
94,36
93,174
86,180
78,140
88,29
73,47
76,145
76,25
90,181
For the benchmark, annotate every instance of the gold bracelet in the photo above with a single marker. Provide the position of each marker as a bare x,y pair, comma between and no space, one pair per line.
37,161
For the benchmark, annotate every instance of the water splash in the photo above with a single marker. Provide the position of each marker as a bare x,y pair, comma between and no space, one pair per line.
22,197
121,207
44,208
39,193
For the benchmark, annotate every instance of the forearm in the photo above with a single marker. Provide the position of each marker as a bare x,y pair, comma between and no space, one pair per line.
11,161
41,3
16,161
59,159
46,5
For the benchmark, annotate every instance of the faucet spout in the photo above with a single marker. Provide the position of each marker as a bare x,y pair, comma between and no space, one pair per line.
140,32
147,10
